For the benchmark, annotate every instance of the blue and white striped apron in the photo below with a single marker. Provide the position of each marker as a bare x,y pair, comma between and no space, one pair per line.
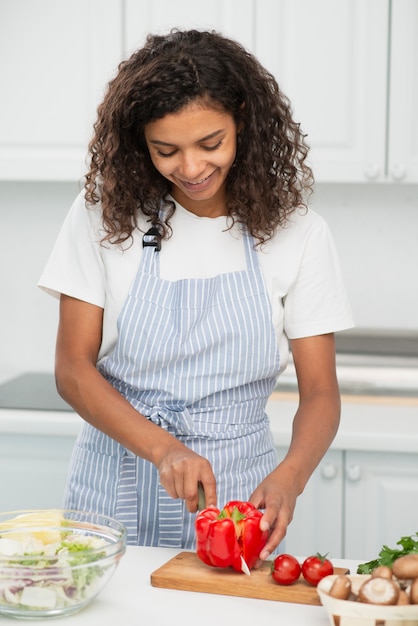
198,357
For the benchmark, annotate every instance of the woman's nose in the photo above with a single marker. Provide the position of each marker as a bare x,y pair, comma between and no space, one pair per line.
191,167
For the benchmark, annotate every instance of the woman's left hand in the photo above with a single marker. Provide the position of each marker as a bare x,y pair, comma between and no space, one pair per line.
277,496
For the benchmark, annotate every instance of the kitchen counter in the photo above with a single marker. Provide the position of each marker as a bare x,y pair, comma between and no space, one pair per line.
372,423
390,425
30,405
129,598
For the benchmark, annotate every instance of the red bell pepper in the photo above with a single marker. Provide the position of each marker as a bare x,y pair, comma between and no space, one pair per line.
231,537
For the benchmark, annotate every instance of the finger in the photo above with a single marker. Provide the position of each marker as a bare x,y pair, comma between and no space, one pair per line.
209,489
268,519
191,493
277,535
194,491
201,499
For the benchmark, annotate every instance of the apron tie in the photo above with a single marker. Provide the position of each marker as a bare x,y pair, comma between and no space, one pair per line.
170,512
127,500
176,417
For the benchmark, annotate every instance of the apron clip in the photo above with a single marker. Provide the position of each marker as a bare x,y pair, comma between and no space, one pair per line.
152,238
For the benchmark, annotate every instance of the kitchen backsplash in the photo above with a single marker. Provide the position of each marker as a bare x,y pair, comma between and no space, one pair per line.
375,228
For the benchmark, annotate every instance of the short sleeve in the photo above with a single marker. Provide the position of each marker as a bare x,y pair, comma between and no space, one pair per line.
75,266
317,302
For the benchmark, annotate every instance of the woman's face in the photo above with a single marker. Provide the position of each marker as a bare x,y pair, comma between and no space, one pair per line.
194,149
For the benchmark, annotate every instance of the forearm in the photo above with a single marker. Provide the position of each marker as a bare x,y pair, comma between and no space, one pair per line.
314,428
100,404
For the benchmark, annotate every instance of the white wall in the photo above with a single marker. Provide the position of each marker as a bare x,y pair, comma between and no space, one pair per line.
375,228
30,217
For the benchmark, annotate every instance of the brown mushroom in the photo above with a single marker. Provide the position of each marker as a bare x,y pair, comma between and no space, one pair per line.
341,588
406,566
403,597
383,571
413,593
379,591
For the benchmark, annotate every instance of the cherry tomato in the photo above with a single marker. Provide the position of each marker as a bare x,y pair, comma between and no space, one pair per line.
286,569
316,567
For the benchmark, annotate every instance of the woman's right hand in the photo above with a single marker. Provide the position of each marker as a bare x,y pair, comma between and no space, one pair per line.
181,470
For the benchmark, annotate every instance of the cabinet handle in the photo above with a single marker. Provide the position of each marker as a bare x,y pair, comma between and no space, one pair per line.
329,471
372,171
398,171
353,472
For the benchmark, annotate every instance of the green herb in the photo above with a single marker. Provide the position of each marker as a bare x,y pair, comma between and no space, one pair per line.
387,555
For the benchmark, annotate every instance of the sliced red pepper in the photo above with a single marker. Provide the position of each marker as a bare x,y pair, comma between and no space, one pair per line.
202,523
222,545
225,538
252,540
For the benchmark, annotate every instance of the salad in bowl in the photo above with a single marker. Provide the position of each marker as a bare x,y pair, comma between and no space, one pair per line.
54,562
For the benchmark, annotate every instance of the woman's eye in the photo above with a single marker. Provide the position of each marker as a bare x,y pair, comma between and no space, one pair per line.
166,154
215,147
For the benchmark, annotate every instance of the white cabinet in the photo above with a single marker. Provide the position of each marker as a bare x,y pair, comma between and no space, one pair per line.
356,502
381,501
348,66
402,162
330,59
350,70
55,60
33,470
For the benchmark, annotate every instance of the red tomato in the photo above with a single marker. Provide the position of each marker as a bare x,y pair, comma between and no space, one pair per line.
314,568
286,569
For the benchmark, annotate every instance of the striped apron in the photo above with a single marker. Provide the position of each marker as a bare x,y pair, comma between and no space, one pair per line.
198,357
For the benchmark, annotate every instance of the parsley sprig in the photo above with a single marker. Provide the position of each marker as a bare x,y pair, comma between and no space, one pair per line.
388,555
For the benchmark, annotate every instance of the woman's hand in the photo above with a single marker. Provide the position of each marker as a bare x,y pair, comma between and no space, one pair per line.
181,470
277,494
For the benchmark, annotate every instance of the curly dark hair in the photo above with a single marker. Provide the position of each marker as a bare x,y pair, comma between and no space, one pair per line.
270,176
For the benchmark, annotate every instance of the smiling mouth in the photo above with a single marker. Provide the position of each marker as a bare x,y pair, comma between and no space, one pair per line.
197,182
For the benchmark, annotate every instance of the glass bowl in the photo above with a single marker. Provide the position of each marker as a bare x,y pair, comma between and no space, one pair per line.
354,613
54,562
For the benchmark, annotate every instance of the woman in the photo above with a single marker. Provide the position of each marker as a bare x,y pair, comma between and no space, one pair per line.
184,269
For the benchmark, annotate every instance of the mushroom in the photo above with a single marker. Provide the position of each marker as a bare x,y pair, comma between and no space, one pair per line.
403,597
383,571
406,566
413,593
379,590
341,588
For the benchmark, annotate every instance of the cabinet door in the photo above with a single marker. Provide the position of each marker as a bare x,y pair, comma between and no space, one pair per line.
33,470
55,60
403,105
330,58
234,18
318,517
381,501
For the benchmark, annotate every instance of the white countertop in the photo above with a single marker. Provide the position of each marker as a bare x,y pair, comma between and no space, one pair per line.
380,423
129,598
374,423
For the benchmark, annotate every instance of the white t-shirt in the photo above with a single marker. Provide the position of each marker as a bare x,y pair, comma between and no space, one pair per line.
300,268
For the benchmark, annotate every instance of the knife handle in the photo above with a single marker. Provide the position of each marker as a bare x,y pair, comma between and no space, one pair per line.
201,499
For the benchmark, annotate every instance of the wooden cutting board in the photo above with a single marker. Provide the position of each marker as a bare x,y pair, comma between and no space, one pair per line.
187,572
